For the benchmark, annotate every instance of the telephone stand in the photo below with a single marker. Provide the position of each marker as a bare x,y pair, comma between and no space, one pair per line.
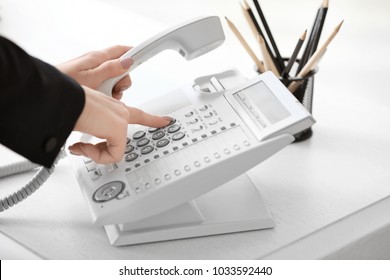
233,207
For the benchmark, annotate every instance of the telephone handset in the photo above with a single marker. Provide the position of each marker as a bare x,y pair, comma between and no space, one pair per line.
191,39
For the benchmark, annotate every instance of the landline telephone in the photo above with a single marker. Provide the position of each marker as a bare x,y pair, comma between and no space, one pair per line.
223,126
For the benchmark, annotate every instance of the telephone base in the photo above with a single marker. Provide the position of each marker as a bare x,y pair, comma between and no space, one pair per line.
235,206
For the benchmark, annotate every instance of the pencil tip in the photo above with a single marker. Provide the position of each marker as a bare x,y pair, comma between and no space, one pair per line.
228,21
245,4
303,36
339,26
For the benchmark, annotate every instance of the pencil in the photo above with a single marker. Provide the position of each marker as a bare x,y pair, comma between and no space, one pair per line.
268,63
296,84
294,55
254,26
279,59
317,55
312,61
248,49
320,25
312,37
250,18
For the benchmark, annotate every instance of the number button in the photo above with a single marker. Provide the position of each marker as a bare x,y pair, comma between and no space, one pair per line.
129,148
139,134
172,122
153,129
131,157
178,136
209,115
161,143
146,150
173,128
203,108
158,135
143,142
194,121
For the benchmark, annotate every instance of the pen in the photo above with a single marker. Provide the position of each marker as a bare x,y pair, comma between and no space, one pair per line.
317,55
294,55
248,49
280,63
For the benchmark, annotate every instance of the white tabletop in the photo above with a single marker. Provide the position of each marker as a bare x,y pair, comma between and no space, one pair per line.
331,189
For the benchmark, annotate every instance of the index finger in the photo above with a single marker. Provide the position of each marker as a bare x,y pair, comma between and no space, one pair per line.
137,116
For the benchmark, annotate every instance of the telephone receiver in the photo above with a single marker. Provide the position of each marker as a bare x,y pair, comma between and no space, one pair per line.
191,39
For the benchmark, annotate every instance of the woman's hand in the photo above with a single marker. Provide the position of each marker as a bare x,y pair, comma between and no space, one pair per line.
93,68
107,118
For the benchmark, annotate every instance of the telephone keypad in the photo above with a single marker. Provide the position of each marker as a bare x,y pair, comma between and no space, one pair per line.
147,145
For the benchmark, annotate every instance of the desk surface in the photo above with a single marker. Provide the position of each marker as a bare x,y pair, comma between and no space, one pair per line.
332,189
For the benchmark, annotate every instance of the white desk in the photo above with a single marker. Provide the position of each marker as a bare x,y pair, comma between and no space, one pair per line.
329,196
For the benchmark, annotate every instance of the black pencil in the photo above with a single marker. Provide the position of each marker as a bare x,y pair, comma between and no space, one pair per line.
325,6
307,53
294,55
280,63
253,23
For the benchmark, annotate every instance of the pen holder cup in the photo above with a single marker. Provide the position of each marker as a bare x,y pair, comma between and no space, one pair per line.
304,94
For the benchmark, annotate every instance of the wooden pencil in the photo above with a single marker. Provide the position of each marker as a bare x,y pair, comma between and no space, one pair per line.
316,56
268,63
313,61
254,26
246,46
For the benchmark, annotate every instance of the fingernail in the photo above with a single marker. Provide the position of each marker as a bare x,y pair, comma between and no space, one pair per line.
169,119
117,95
71,150
126,62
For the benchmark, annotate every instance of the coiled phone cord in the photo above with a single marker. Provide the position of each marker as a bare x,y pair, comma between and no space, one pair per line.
35,183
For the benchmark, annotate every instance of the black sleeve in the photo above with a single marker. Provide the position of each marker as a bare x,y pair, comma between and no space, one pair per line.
39,105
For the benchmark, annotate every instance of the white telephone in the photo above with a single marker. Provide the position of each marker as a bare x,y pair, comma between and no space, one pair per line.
219,132
187,179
